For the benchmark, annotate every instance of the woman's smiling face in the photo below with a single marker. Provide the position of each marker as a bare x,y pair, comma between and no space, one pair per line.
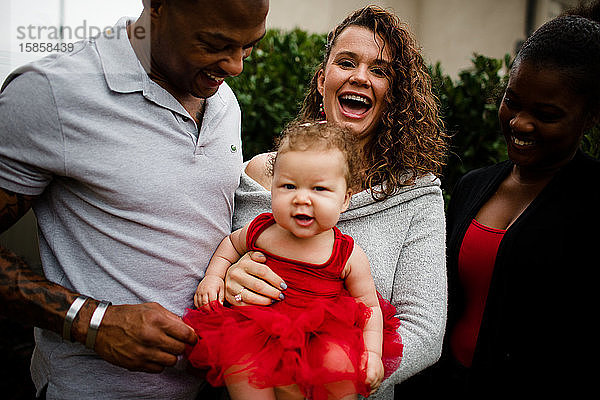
354,81
541,117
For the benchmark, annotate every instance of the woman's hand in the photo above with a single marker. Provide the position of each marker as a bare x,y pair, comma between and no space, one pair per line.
211,288
250,281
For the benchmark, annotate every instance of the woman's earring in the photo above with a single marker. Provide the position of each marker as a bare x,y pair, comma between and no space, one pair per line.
321,110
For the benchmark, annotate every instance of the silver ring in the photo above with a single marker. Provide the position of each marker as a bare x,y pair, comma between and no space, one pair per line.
238,297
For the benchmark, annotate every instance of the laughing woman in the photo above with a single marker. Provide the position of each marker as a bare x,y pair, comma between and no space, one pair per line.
522,235
374,82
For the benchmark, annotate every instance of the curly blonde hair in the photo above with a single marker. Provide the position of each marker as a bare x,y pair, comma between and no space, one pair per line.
410,140
319,135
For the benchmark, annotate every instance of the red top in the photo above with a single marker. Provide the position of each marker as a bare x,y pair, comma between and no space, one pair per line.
305,281
475,267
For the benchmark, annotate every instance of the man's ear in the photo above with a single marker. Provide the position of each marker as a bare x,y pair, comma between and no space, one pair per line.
154,6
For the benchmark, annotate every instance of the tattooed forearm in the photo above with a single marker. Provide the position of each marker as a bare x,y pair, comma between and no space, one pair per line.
28,297
25,295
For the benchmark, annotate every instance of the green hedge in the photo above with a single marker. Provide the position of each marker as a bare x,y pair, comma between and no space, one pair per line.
469,108
275,78
273,84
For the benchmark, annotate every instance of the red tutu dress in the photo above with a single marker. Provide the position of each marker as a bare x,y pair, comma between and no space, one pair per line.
312,338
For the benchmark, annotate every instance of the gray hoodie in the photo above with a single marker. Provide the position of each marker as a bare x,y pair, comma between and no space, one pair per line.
404,239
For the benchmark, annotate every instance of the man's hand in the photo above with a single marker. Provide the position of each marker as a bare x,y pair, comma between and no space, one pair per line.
262,286
143,337
211,288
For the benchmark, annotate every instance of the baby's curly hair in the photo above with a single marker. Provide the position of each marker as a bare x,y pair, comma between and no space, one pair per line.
410,140
319,135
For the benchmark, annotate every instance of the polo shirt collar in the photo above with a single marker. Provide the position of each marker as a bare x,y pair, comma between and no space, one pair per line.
122,69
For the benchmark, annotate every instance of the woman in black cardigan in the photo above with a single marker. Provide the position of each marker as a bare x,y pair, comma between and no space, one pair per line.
523,235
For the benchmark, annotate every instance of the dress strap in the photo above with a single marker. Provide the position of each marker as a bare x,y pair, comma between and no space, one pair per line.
342,248
256,227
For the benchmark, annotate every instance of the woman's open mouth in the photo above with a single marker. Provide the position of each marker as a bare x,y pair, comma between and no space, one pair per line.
354,105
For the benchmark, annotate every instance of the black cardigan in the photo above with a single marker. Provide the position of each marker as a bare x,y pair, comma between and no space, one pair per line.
539,323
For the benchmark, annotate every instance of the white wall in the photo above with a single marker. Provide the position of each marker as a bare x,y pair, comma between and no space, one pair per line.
452,30
37,21
322,15
449,31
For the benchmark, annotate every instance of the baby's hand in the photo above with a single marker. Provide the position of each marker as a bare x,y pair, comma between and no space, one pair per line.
210,288
374,371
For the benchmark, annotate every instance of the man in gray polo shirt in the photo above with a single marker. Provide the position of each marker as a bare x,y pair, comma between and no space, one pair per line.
128,149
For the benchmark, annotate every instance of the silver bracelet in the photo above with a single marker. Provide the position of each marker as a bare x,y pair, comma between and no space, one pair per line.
71,314
90,340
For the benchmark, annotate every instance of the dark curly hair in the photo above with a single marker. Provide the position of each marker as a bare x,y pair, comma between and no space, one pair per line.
570,44
319,135
410,140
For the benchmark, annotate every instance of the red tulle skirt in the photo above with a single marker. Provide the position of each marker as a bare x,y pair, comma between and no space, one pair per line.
281,345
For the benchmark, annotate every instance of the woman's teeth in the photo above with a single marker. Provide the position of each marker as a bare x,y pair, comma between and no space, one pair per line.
354,97
355,105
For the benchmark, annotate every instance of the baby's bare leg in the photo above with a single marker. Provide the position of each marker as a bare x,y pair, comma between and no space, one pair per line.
335,359
239,387
291,392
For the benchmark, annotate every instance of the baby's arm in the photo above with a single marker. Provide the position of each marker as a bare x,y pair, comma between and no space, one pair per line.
212,286
360,285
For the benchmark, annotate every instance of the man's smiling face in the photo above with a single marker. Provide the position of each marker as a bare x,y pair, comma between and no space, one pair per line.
195,45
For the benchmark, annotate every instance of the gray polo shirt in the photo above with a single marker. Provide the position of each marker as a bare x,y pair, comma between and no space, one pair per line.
132,203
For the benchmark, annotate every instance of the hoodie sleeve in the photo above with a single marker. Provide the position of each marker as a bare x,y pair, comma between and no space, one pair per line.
420,287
